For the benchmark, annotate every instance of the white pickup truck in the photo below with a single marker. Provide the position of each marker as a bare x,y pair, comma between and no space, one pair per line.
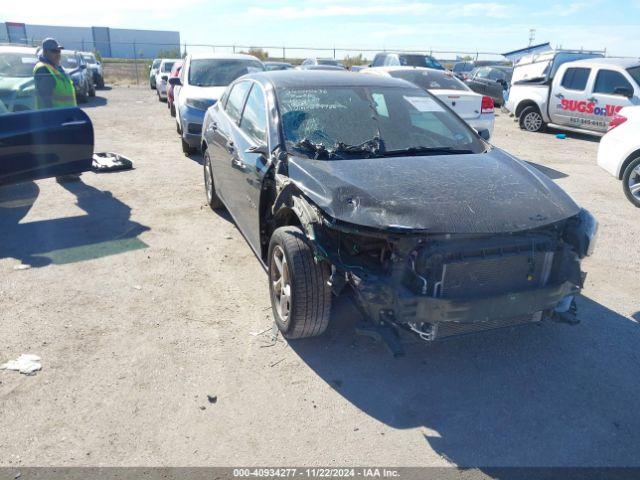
581,95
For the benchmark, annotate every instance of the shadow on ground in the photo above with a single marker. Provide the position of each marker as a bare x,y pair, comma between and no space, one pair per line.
537,395
106,229
93,102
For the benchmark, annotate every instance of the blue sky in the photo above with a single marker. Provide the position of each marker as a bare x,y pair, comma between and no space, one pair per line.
458,25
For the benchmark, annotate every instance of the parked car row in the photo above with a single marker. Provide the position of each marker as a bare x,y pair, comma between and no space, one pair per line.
295,156
17,87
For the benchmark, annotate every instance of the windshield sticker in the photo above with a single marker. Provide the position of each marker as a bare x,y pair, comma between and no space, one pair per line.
424,104
307,100
29,60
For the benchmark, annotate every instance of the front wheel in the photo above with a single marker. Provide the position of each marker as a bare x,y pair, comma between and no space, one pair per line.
300,296
531,120
631,182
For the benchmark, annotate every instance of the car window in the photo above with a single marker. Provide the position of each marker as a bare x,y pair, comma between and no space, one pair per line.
89,58
420,61
635,74
156,63
13,64
495,74
608,81
576,78
392,61
483,72
68,61
403,118
209,72
430,80
327,61
167,66
254,117
235,102
378,60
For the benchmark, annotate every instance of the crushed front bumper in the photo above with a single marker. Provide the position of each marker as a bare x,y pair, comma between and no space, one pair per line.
434,318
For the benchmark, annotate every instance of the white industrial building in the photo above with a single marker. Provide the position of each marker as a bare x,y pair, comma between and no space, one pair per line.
110,42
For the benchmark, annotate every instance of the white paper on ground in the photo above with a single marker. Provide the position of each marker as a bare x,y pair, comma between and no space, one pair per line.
25,363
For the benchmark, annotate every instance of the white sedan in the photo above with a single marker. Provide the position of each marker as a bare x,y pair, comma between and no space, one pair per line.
475,109
619,151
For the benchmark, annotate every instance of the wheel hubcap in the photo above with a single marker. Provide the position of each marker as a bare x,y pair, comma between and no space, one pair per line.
280,282
634,182
532,121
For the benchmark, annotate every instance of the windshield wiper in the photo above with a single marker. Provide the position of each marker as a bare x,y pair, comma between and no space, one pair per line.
318,150
420,150
371,147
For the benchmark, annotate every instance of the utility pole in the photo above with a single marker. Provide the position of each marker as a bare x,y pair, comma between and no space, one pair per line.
532,35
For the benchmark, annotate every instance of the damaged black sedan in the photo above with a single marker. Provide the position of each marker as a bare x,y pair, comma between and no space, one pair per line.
370,186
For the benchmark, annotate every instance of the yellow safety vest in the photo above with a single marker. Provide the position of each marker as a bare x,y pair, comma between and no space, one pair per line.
64,94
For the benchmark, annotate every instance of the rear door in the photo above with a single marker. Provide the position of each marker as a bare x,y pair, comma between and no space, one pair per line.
568,104
44,143
608,96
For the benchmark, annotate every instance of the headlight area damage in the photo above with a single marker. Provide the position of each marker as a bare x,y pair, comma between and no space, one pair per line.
440,285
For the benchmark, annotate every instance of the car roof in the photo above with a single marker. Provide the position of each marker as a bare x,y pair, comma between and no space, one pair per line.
324,78
15,49
404,53
174,60
222,56
408,69
609,61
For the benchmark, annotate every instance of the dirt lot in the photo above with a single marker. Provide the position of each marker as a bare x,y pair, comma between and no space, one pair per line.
142,302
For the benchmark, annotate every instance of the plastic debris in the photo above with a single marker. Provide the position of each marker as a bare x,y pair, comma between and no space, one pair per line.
26,363
110,162
561,136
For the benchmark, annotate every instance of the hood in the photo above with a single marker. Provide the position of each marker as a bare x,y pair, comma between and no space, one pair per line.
211,93
460,194
15,83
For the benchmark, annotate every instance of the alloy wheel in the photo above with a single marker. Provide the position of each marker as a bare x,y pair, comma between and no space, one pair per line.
280,280
634,182
533,122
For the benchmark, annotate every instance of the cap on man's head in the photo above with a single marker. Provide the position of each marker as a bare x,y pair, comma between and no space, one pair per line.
51,44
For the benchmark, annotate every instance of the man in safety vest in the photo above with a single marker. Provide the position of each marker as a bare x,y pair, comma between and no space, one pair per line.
54,88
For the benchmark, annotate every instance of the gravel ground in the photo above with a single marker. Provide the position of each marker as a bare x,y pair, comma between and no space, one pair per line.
142,302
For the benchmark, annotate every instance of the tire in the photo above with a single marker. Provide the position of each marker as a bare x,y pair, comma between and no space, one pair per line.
92,90
631,176
178,129
209,186
173,110
186,148
531,120
100,83
305,311
81,98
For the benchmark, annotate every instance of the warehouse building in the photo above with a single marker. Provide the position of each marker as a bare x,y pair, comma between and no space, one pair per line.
110,42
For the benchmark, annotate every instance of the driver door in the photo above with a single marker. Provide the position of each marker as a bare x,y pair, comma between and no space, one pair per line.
38,144
609,96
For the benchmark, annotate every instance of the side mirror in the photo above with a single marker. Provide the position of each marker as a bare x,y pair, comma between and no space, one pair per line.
624,91
83,67
175,81
261,149
165,77
484,134
98,63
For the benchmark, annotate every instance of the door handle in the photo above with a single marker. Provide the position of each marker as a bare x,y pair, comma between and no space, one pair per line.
74,122
231,147
213,126
236,163
592,99
559,95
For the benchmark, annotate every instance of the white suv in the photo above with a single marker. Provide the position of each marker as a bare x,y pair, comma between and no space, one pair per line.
203,79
